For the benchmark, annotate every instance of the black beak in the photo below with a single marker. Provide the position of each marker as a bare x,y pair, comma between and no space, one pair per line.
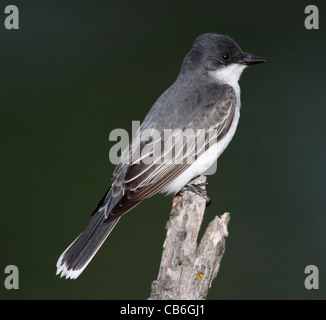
249,59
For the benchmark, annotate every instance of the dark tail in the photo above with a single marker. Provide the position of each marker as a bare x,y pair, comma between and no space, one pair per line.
77,256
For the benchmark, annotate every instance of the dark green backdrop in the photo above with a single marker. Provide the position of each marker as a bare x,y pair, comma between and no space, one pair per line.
74,72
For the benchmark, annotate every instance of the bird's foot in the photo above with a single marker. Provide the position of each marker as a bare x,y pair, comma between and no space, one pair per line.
196,188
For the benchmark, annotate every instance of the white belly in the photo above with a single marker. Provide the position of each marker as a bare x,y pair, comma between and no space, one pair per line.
204,161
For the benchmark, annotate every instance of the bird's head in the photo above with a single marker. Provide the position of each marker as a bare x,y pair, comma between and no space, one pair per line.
219,56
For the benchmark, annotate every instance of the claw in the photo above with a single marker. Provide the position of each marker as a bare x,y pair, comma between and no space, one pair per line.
196,188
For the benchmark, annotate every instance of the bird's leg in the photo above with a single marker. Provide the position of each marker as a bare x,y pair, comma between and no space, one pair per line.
196,188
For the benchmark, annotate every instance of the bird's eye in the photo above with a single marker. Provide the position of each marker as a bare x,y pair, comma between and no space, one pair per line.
226,56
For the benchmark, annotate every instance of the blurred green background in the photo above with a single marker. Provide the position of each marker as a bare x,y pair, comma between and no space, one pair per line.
74,71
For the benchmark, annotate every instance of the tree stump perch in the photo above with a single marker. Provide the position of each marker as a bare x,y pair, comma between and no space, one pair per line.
187,269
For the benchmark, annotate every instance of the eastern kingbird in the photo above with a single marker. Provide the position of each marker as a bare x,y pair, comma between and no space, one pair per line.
205,96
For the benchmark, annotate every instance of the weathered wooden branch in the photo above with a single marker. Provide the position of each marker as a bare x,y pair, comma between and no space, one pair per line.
187,269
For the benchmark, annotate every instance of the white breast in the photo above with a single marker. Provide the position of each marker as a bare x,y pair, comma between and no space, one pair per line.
229,75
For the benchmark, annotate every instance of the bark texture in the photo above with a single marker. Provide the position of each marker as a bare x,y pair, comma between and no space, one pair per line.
187,269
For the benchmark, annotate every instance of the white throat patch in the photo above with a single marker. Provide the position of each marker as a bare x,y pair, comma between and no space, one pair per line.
229,75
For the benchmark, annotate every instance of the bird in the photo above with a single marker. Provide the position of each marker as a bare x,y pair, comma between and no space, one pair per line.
205,97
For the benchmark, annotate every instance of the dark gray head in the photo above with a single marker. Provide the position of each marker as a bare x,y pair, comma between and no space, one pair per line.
212,51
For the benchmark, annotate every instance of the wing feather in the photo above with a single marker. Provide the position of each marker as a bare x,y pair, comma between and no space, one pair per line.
142,178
